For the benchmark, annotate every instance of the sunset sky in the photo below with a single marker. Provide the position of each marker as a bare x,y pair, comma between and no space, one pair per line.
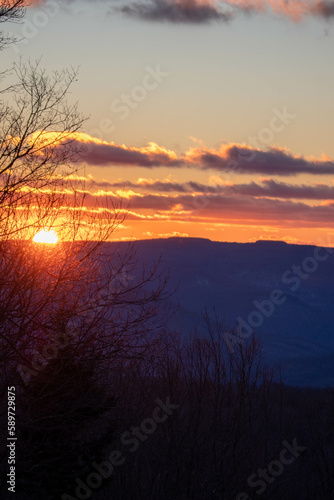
211,119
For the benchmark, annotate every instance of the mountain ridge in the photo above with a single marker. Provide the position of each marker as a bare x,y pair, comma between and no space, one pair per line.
236,279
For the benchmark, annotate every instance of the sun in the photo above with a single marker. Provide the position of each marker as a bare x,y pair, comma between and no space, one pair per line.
47,236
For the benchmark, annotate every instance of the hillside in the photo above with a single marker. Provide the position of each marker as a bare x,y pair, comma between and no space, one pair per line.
299,334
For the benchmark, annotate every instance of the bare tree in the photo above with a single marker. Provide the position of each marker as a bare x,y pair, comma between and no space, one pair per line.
10,11
72,313
210,443
36,153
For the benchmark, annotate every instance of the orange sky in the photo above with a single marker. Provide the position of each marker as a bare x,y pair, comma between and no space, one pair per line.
230,193
208,118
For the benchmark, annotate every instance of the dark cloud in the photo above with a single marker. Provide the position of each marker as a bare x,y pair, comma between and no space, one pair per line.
271,202
158,186
273,189
94,152
227,207
228,158
266,189
106,154
324,9
206,11
247,160
176,11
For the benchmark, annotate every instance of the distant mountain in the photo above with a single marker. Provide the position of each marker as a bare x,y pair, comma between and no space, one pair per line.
298,333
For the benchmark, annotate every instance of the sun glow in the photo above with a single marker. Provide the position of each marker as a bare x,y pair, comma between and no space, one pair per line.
47,236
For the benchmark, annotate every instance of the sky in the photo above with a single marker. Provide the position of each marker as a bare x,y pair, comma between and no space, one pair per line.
210,119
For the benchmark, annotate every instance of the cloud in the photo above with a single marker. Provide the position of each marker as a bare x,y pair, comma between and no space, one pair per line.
234,158
273,189
324,9
268,188
247,160
224,208
148,185
293,9
158,186
101,153
268,202
205,11
177,11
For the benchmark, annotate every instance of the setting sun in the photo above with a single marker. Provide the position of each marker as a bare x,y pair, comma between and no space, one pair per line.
46,236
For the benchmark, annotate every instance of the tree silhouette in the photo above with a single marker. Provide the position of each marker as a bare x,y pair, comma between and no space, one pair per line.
69,313
10,11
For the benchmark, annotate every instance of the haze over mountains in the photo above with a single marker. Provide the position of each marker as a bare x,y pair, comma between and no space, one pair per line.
297,334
